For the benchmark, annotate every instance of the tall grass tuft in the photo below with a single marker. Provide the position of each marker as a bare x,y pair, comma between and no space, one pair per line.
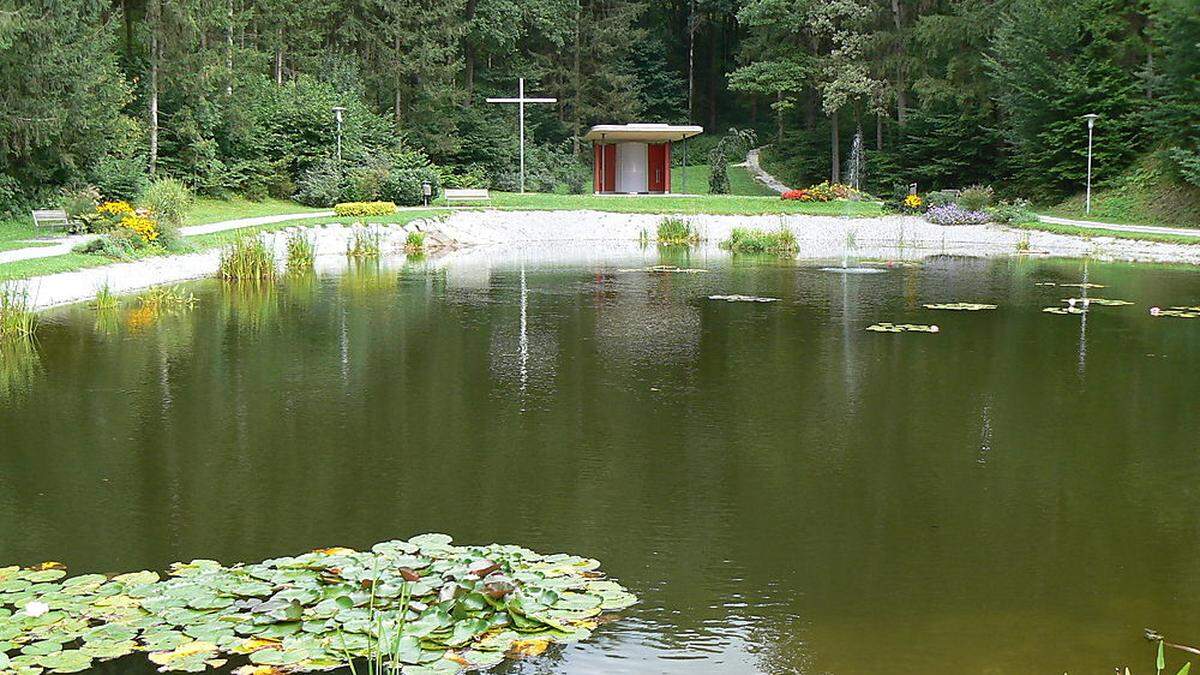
17,318
364,242
301,254
105,298
677,232
248,258
779,242
414,242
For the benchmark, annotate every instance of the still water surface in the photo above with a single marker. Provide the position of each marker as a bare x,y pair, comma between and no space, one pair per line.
785,491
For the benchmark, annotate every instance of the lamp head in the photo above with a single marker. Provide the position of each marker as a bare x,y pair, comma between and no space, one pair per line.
1091,119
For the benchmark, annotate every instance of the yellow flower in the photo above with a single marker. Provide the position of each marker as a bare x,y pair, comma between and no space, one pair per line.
117,208
143,226
913,201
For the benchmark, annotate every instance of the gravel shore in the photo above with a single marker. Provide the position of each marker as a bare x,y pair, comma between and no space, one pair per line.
482,236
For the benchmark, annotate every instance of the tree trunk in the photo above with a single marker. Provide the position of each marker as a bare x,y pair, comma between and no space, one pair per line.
397,102
901,86
229,49
155,10
469,52
713,77
691,61
578,73
128,19
835,164
878,131
279,59
779,121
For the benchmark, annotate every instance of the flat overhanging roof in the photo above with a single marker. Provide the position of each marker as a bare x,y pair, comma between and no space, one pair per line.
641,133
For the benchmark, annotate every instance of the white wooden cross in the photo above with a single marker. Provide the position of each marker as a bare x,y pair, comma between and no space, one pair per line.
520,100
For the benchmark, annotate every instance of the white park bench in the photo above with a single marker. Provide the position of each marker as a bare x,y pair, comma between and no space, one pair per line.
466,196
51,218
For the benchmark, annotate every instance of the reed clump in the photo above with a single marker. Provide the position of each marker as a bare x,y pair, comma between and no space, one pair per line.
248,258
677,232
364,242
777,242
18,321
301,253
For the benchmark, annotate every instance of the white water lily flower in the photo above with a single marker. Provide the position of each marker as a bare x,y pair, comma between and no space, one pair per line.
36,608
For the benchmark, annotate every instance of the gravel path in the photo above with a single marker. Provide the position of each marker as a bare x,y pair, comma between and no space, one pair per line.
1140,229
67,244
756,170
473,240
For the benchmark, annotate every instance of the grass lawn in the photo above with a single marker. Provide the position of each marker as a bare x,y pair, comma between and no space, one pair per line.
14,232
694,180
207,210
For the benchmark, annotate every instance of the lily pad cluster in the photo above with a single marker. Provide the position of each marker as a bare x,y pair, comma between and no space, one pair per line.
1082,305
1077,285
431,606
885,327
1180,312
960,306
742,298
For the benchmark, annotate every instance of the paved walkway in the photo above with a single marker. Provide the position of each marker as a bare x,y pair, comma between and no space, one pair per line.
65,245
1139,229
763,177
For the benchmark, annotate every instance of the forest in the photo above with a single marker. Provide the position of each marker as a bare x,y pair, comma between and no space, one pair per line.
236,97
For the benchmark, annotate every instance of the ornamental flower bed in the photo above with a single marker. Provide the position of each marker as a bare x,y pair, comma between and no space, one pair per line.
822,192
953,214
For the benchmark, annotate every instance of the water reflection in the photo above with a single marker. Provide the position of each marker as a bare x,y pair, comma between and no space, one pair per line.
785,491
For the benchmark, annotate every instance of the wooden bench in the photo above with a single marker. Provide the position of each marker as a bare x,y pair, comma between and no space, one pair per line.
466,196
51,218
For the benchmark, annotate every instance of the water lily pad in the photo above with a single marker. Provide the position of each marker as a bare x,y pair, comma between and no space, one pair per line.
742,298
886,327
1105,302
1064,310
69,661
1083,285
960,306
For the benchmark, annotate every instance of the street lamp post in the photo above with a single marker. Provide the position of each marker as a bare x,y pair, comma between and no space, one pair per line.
1087,201
337,115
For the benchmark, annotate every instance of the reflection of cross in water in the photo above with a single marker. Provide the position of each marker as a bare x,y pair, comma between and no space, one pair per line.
523,339
985,432
1083,320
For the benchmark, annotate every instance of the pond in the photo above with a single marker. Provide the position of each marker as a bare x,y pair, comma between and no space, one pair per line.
784,490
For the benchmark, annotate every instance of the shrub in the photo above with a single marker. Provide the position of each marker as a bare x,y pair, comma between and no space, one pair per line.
120,244
169,201
953,214
403,186
1014,212
975,198
676,231
901,201
359,209
120,178
247,258
940,198
81,201
778,242
12,197
301,254
797,196
321,185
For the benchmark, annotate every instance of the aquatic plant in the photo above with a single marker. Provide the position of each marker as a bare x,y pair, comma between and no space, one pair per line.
301,254
364,242
1023,243
887,327
105,298
741,298
422,605
779,242
676,232
166,297
247,258
17,318
959,306
414,242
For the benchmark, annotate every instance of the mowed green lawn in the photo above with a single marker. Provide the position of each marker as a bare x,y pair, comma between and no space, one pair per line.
694,181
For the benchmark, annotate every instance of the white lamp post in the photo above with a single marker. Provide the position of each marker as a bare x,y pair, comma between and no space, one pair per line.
337,115
1087,202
